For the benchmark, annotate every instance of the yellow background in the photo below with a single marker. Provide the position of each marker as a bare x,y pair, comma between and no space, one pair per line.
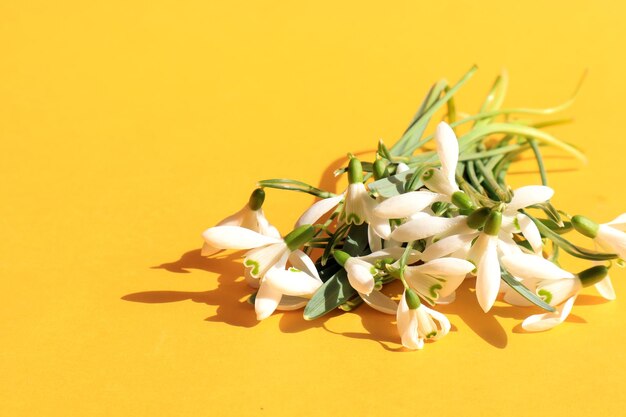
128,127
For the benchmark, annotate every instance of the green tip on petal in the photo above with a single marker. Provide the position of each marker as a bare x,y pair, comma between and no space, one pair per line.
593,275
412,300
256,199
493,223
462,200
585,226
477,219
355,171
341,257
299,236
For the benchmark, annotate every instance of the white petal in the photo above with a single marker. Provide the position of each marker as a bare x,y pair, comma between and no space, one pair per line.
507,246
449,299
488,275
292,282
402,167
360,275
290,302
250,280
301,261
374,241
424,227
605,288
379,301
545,321
554,292
619,222
233,237
612,238
208,250
527,196
266,301
444,267
318,209
444,324
447,246
448,151
357,205
514,298
530,232
264,227
404,205
238,218
260,260
407,325
437,181
533,266
394,252
379,226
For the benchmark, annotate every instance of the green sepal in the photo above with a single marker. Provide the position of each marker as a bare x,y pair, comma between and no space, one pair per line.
256,199
493,223
570,247
379,169
477,219
341,257
299,236
585,226
355,171
462,200
412,300
593,275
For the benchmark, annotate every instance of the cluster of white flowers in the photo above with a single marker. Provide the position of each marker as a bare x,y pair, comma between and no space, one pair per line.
431,239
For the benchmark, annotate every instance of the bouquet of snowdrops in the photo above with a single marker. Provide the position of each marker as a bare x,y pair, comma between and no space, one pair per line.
429,219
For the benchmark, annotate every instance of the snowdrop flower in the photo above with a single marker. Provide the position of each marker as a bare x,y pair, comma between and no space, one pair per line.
609,236
436,281
441,181
358,206
267,262
417,323
250,217
553,284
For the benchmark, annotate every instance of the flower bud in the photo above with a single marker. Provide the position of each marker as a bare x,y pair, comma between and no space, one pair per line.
380,169
462,200
355,171
256,199
299,236
493,222
593,275
585,226
341,257
412,300
477,219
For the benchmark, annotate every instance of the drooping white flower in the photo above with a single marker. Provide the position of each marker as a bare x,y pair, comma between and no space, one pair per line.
267,263
417,323
358,207
553,284
437,280
250,216
362,270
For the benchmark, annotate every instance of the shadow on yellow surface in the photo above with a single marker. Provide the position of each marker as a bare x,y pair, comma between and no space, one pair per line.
231,292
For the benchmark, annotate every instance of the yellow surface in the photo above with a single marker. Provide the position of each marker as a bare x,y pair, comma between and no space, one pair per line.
128,127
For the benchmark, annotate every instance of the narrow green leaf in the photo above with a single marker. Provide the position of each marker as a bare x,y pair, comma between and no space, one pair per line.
525,292
330,295
570,247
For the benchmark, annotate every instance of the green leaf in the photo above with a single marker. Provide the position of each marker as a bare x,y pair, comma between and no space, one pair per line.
356,240
525,292
294,185
410,141
570,247
330,295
